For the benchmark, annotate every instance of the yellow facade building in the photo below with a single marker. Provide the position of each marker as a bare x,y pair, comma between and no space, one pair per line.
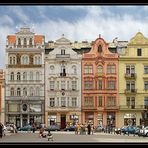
133,80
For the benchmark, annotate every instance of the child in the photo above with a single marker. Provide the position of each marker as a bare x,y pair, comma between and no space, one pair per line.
49,136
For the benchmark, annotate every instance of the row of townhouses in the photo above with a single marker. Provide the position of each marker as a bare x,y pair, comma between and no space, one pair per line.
63,82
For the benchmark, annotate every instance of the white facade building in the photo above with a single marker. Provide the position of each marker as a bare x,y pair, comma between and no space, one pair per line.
62,84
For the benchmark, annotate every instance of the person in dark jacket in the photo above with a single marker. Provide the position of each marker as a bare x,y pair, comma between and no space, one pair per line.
1,130
89,129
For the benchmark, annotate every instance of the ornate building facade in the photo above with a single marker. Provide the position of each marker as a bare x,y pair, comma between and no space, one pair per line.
100,85
2,96
63,84
133,78
24,95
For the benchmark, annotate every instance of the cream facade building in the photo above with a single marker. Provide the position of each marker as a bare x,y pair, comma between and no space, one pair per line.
133,80
62,84
24,95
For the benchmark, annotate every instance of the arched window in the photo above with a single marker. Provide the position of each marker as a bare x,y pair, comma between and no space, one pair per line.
31,75
18,76
25,59
37,76
37,59
18,92
100,69
12,91
24,75
37,91
12,76
24,91
74,69
31,91
12,59
99,48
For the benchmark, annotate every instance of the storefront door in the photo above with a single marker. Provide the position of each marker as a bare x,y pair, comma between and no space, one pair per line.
63,121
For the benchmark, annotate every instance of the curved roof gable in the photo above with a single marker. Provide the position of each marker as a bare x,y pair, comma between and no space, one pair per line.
138,39
63,41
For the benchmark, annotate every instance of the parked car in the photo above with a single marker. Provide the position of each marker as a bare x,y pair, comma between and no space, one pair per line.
129,130
70,128
145,131
54,127
25,128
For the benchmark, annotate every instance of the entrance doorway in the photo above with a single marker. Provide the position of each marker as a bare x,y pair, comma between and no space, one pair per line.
63,121
24,120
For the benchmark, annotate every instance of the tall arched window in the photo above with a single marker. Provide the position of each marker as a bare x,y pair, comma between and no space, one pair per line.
12,76
37,76
25,59
24,91
12,91
31,91
24,75
100,69
37,59
31,75
18,76
37,91
99,48
18,92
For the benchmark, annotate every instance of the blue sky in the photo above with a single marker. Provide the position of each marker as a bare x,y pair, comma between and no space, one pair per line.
76,22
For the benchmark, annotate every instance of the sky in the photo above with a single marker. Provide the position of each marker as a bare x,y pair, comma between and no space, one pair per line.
76,22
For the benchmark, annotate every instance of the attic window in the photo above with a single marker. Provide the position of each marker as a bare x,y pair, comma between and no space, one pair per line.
100,48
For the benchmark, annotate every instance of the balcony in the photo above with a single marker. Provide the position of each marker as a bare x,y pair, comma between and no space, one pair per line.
130,91
62,55
132,107
130,75
63,74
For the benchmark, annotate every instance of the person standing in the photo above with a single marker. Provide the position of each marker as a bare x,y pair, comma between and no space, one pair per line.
89,129
1,130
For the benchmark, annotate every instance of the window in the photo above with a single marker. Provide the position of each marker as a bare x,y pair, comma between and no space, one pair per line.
74,102
111,69
74,85
24,91
25,59
58,101
130,69
37,60
111,85
18,76
62,85
12,91
88,101
100,84
130,102
12,76
88,69
31,75
139,52
62,52
19,42
100,101
100,48
51,85
100,69
37,76
67,85
146,85
146,101
63,102
74,69
57,85
145,69
88,85
37,91
31,91
63,71
130,85
68,101
30,42
18,92
111,101
52,102
25,76
25,42
12,60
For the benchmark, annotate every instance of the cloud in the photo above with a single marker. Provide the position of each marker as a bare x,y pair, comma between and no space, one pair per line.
104,20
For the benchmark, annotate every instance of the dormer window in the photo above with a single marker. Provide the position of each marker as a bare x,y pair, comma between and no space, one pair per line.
99,48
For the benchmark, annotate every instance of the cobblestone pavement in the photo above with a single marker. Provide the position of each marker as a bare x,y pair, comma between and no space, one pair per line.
67,137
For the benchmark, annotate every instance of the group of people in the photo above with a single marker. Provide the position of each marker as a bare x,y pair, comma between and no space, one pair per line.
84,129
